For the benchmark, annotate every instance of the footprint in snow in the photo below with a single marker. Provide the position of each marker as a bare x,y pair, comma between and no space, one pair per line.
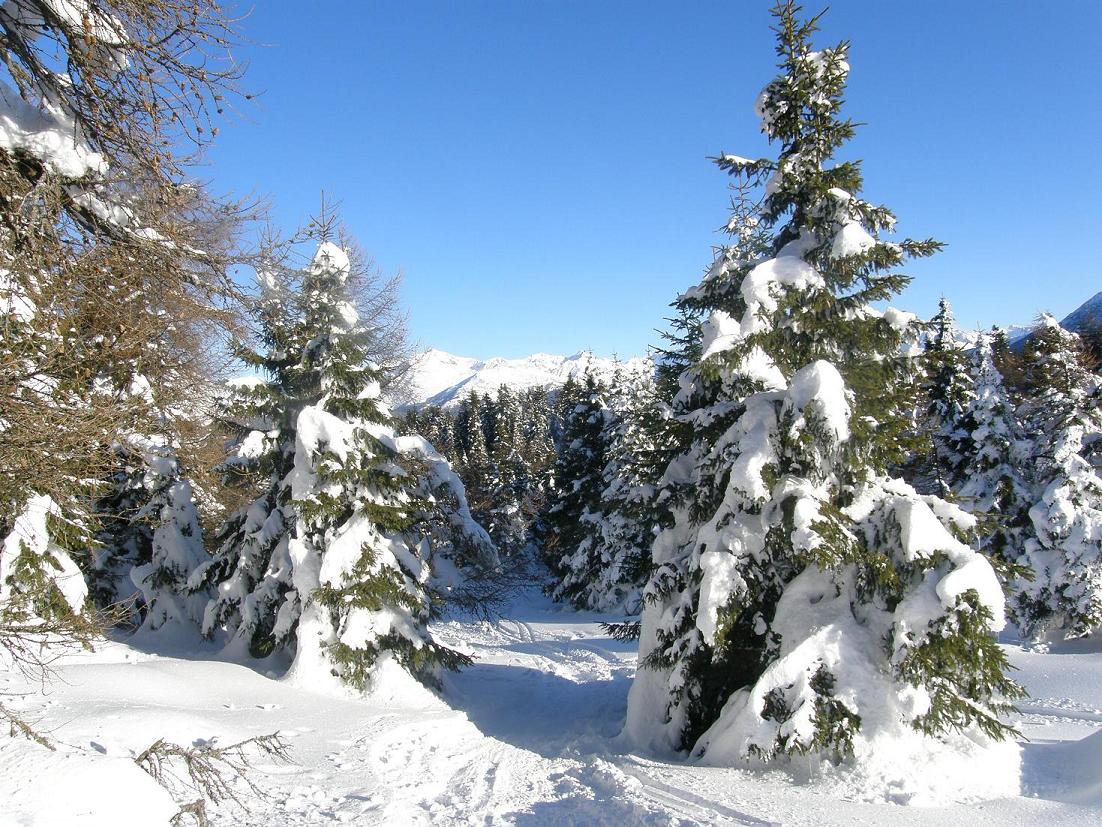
269,707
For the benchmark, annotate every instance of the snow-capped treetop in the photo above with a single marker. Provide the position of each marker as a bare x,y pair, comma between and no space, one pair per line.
328,259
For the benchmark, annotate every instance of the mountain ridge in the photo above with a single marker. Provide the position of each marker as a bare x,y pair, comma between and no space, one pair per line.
442,379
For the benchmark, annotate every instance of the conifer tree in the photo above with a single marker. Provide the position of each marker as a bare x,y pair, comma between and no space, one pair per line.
611,563
504,465
43,596
536,454
505,474
562,405
1007,361
1064,597
803,601
330,564
577,482
149,538
948,393
994,482
250,571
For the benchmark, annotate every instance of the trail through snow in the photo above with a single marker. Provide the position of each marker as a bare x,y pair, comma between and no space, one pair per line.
527,735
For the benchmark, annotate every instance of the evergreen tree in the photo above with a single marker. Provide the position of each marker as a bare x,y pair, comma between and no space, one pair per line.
612,561
577,484
475,465
436,426
149,538
803,599
330,563
250,571
502,450
505,474
681,349
1064,598
43,596
1007,361
948,392
562,406
994,485
536,455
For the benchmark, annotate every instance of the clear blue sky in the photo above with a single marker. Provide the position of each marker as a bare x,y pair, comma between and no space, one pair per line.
538,170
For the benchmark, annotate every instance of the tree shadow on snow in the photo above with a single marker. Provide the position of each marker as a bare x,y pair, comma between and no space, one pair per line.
1065,771
190,646
539,711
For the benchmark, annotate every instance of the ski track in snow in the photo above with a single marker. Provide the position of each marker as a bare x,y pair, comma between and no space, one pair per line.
527,736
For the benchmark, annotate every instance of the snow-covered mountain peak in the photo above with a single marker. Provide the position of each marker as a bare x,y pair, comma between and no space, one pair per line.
1086,318
442,378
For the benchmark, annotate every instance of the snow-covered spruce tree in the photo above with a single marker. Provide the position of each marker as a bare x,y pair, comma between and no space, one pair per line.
437,427
487,470
491,462
475,465
804,602
562,403
148,539
994,484
577,485
329,563
43,596
612,562
250,570
1064,418
644,437
537,454
949,389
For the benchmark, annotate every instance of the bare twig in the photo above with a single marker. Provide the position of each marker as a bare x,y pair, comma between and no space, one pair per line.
208,770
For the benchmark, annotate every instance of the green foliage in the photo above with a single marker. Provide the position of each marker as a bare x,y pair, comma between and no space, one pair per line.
958,662
577,473
800,404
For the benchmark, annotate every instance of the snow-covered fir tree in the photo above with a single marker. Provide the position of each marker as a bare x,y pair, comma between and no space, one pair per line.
536,452
43,596
331,564
804,601
949,389
505,474
994,482
1064,418
149,539
577,483
610,566
250,570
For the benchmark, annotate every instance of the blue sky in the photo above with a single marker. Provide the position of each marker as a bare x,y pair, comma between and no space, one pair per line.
538,170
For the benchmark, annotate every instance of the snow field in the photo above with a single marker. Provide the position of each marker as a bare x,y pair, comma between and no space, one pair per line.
528,735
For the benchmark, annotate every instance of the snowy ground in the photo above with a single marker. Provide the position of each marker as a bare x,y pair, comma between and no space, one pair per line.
525,736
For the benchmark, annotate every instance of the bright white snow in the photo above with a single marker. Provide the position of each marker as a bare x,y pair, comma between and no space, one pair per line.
528,735
443,379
